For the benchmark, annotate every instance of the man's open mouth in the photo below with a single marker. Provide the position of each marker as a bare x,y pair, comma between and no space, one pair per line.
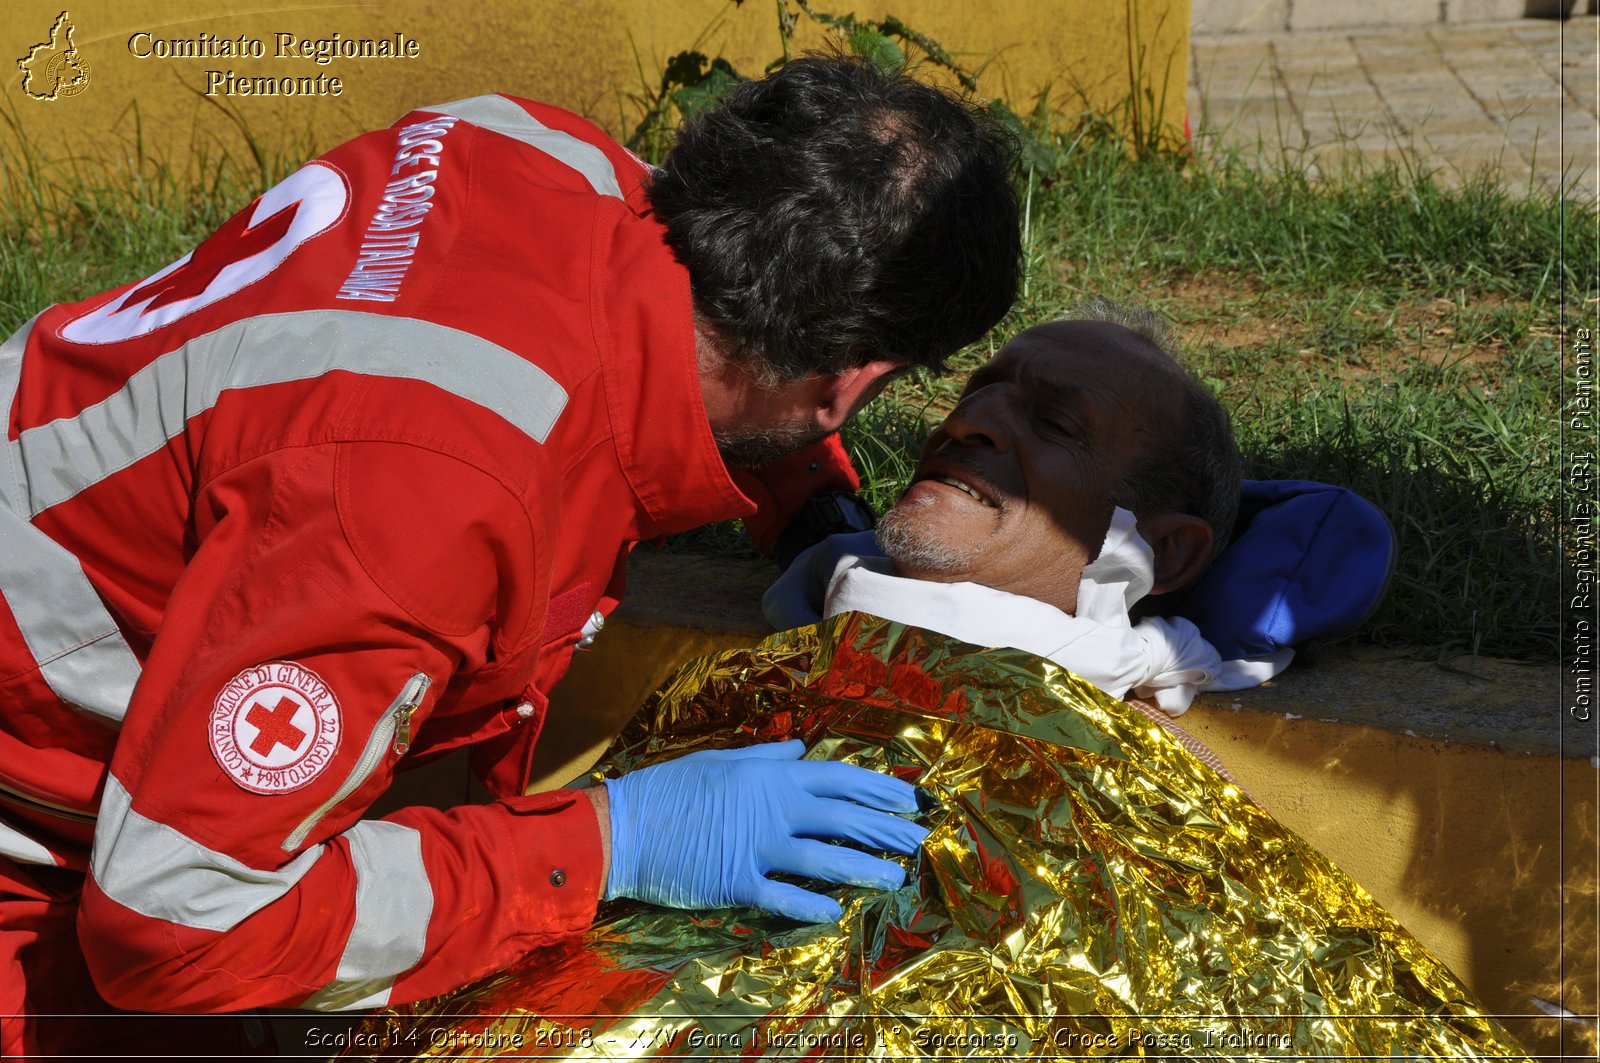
962,485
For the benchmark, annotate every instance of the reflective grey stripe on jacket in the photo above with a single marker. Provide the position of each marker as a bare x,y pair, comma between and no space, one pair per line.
394,901
80,652
23,849
499,115
153,869
68,455
66,627
156,871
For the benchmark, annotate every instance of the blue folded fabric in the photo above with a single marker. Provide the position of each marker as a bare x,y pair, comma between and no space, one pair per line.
796,599
1308,561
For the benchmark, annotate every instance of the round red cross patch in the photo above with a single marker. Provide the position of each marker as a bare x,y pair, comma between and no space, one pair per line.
275,727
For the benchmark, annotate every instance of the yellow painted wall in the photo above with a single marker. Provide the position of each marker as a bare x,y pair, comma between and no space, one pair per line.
589,56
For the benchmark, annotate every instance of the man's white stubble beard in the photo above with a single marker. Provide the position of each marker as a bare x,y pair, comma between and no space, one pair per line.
913,548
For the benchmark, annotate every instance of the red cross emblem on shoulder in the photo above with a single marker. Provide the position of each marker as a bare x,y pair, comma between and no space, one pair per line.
274,727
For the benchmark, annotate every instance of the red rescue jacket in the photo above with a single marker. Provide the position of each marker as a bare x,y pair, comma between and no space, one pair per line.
343,485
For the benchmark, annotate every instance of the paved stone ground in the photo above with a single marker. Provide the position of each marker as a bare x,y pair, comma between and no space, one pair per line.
1517,96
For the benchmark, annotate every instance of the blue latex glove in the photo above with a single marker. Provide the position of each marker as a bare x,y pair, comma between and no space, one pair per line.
705,830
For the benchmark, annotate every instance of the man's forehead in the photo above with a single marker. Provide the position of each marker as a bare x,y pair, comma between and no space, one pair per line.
1077,353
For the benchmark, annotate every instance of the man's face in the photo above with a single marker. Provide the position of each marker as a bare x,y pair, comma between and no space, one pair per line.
1015,490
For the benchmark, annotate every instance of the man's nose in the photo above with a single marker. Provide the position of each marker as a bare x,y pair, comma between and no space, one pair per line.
981,419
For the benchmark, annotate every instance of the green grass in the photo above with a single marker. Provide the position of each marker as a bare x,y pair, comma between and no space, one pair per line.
1380,331
71,227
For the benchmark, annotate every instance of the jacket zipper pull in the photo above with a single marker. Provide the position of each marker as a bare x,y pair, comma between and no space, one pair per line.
402,716
402,733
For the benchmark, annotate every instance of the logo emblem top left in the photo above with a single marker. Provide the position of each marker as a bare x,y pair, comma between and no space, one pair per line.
54,69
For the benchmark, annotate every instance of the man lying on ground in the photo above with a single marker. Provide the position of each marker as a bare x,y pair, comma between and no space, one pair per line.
1083,471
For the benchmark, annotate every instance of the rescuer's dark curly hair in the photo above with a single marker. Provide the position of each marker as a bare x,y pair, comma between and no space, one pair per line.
830,214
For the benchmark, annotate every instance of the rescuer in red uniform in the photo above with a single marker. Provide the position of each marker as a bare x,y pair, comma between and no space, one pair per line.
346,486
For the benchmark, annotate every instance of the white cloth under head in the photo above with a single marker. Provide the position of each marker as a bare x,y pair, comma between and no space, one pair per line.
1166,660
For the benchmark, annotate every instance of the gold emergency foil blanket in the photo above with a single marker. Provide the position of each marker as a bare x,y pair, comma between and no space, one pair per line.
1089,890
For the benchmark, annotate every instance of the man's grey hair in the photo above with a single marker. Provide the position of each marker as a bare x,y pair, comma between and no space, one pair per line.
1195,467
